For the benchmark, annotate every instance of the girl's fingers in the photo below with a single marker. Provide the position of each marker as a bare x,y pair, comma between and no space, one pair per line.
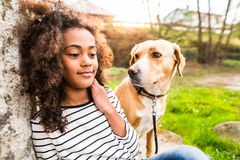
97,88
95,83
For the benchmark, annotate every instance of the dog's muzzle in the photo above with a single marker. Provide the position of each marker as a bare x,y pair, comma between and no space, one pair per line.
134,75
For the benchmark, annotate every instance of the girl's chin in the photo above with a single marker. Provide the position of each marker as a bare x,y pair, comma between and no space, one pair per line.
86,84
79,85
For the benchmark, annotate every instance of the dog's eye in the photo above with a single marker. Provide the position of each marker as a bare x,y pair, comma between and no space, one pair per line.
156,55
136,56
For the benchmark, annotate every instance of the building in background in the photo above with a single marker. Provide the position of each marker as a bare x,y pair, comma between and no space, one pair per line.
91,10
185,18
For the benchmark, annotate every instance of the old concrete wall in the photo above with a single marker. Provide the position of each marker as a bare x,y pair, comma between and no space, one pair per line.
15,142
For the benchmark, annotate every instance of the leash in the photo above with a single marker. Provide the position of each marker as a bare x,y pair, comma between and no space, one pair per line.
154,98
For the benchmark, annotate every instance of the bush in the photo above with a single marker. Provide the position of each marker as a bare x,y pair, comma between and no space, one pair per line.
231,63
122,39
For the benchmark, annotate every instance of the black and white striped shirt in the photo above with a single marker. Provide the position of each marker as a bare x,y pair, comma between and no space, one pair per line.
88,136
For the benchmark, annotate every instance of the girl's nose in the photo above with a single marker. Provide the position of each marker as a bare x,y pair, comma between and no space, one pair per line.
85,60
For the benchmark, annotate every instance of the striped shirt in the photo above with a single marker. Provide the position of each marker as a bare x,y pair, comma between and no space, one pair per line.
88,136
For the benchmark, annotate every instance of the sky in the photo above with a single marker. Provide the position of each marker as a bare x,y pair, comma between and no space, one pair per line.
136,10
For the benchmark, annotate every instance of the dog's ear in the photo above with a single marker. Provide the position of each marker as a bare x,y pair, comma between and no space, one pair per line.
179,59
133,59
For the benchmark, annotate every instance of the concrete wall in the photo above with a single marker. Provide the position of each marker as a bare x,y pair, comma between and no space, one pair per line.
15,142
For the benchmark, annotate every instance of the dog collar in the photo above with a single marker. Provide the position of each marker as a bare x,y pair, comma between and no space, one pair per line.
145,93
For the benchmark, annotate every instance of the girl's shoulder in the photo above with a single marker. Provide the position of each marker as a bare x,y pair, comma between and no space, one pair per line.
36,117
109,92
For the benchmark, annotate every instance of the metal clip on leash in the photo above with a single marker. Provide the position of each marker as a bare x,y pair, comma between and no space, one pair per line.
154,123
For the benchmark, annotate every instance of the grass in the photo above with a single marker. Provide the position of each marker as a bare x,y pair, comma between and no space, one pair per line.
231,63
115,76
192,111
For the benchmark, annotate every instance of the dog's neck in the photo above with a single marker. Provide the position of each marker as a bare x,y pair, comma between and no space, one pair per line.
145,93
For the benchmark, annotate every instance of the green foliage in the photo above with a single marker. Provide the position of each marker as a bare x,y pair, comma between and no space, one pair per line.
115,76
231,63
122,39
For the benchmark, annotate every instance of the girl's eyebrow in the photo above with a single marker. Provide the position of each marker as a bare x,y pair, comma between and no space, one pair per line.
73,45
78,46
91,47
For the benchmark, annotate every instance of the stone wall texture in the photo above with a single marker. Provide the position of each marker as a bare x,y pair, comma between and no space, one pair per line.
15,141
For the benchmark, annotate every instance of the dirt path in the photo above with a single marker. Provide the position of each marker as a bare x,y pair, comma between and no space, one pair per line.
225,80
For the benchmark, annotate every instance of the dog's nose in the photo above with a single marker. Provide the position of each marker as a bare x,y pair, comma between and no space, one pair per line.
133,72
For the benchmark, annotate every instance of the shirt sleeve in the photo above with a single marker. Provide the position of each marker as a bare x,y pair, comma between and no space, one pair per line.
131,139
43,147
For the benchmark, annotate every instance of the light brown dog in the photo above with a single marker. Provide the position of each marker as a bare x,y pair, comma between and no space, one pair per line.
153,64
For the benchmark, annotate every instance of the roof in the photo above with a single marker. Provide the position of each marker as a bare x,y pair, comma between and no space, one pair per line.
85,6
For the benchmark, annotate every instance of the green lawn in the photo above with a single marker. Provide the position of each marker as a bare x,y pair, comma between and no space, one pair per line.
192,111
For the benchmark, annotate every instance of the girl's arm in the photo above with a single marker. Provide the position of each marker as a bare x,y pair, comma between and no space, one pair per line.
103,103
108,103
43,147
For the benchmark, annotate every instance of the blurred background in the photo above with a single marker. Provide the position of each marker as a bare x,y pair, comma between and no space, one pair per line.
207,30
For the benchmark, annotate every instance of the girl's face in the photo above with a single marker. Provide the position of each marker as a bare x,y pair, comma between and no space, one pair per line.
79,58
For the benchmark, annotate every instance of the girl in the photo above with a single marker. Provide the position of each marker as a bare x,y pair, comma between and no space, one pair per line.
62,62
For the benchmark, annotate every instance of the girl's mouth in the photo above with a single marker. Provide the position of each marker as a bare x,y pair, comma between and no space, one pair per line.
86,74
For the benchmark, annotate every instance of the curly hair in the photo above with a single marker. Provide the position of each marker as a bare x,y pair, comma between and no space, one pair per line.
41,66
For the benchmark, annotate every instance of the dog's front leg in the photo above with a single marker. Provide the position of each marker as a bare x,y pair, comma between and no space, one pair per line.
149,143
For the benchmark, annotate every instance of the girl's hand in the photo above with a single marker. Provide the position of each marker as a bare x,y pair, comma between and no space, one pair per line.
100,98
102,102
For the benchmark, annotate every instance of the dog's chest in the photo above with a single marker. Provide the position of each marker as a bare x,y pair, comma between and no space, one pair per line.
146,123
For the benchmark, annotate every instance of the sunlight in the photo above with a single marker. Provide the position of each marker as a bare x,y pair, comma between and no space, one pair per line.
133,12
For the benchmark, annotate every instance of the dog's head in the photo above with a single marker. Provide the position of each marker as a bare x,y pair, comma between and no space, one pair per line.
154,63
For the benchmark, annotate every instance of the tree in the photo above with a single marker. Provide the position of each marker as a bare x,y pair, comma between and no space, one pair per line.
201,54
213,56
209,45
232,26
15,132
149,15
159,20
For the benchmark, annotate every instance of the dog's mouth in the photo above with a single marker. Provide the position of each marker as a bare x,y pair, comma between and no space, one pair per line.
136,82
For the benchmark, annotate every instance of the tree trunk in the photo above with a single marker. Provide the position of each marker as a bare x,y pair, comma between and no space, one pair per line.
201,56
232,26
15,108
149,15
209,45
159,21
213,58
229,36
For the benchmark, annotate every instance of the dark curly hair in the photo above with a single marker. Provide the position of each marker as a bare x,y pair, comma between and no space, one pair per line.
41,67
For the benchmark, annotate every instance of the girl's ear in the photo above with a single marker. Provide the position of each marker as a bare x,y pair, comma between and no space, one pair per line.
179,59
133,60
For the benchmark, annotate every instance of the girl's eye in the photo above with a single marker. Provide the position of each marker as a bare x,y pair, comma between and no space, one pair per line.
156,55
74,55
92,55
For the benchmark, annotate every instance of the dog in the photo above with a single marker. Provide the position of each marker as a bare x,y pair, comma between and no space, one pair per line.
153,65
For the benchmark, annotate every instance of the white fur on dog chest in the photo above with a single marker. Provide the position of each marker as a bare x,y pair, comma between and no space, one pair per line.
145,114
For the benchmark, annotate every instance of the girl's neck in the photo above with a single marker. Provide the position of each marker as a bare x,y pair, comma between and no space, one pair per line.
73,97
